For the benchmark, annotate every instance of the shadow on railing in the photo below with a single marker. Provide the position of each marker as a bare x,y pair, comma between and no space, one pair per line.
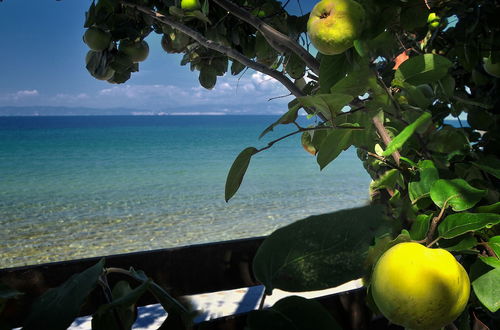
189,270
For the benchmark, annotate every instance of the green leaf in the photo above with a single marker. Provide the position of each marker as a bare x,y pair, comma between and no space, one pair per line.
420,226
387,180
490,164
460,223
289,117
335,142
318,252
332,68
447,85
413,15
458,193
237,172
460,244
423,69
355,83
58,307
292,313
122,306
328,104
295,66
494,243
448,140
398,142
428,175
490,261
179,317
493,208
487,289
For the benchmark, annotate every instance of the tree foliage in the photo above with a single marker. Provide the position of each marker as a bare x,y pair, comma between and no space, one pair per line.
417,95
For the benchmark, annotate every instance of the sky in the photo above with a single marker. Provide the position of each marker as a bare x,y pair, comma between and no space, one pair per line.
42,58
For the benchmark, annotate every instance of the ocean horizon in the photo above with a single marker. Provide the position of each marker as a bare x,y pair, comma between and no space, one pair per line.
84,186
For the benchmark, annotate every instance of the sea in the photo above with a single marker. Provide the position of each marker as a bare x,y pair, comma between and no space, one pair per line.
83,186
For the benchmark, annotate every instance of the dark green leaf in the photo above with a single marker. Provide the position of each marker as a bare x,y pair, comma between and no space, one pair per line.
490,164
289,117
332,69
236,67
423,69
428,175
237,172
457,193
387,180
398,142
293,313
122,306
179,317
416,96
328,104
460,223
487,289
58,307
494,243
490,261
413,15
448,140
335,142
355,83
295,67
493,208
420,226
318,252
447,85
460,244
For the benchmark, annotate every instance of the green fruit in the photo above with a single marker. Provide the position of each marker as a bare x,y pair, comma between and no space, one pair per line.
190,4
97,39
418,287
493,69
433,21
136,51
333,25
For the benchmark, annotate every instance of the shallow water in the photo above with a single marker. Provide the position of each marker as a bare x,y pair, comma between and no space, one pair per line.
75,187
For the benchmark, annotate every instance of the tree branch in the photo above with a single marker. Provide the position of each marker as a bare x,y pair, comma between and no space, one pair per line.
386,138
228,51
276,39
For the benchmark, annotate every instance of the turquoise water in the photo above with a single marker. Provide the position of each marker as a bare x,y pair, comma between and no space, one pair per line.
75,187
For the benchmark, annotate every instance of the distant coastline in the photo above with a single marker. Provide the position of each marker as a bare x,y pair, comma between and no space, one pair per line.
51,111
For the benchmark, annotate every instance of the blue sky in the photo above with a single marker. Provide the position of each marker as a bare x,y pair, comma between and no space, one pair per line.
42,57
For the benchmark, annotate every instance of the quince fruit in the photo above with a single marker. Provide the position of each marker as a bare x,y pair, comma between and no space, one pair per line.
333,25
493,69
418,287
136,51
97,39
190,4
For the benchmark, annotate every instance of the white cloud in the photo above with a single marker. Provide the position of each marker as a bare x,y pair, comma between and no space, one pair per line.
26,93
233,94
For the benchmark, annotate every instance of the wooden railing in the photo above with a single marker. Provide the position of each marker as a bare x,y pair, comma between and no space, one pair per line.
181,271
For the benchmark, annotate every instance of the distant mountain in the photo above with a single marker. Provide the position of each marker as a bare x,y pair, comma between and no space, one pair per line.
257,109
